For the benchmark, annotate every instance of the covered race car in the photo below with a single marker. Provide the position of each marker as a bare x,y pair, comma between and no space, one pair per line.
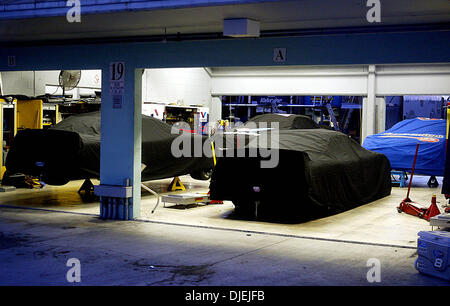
70,150
399,145
316,172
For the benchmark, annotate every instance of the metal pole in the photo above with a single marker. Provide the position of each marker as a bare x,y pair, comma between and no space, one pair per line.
412,171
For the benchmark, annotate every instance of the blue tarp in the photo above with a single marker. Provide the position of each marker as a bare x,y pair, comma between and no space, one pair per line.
399,145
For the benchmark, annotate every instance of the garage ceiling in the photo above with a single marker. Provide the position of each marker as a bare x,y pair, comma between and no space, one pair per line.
304,15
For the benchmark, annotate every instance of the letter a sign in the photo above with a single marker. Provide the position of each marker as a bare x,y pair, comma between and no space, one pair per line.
279,55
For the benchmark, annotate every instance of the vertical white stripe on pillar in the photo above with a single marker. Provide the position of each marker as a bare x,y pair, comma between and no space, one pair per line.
138,76
369,106
381,115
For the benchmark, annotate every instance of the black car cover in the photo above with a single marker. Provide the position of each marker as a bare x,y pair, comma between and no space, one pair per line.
316,169
70,150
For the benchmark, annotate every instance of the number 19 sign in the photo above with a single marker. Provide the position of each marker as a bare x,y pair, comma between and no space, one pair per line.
117,83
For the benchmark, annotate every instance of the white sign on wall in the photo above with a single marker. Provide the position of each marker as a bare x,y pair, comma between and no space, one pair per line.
203,114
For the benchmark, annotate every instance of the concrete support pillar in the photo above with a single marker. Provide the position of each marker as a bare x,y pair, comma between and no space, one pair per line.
120,150
1,85
137,148
215,111
381,115
368,125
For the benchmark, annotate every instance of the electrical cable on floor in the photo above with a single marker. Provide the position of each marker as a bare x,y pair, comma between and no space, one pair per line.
156,194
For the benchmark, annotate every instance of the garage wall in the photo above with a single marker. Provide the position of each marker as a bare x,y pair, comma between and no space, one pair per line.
413,80
292,80
185,86
18,82
33,83
89,78
329,80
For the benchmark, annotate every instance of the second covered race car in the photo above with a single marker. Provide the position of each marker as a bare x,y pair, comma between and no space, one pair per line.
70,150
308,172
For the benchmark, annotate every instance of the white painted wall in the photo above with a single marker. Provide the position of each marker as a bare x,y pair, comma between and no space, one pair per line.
215,111
413,80
33,83
89,79
18,82
290,80
185,86
332,80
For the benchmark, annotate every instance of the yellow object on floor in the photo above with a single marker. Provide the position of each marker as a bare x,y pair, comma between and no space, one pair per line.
2,171
33,182
176,184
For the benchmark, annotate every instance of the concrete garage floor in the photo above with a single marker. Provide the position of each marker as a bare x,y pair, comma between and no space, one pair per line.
205,244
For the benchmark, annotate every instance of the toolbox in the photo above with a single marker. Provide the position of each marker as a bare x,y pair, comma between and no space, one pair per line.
433,249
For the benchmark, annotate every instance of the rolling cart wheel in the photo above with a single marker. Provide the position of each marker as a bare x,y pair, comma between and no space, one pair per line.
416,264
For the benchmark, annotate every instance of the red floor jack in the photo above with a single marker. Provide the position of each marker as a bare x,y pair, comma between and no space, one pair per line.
409,207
